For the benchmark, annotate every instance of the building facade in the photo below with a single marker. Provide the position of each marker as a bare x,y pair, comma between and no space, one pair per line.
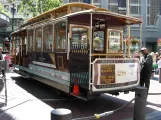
148,10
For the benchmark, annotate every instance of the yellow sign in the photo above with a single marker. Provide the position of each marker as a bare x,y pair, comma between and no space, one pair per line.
121,73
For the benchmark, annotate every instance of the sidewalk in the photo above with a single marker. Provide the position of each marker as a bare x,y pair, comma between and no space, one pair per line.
22,105
153,107
156,77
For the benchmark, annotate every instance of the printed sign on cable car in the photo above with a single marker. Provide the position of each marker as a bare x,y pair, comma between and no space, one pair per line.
112,74
107,74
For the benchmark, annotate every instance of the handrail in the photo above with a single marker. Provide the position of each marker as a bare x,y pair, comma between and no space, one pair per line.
111,54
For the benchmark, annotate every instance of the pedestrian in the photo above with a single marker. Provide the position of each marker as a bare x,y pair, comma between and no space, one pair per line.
159,52
157,56
159,67
2,65
157,59
146,68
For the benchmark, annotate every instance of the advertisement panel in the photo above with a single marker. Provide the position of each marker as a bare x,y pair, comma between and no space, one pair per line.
115,74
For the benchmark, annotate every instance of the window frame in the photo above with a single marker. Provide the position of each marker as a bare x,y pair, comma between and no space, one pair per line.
51,37
55,37
28,38
104,41
35,41
79,26
108,41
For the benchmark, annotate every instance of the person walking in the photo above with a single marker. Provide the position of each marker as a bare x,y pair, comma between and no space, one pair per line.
146,68
157,59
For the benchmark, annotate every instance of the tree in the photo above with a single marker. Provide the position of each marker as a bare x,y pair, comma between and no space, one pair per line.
2,10
35,7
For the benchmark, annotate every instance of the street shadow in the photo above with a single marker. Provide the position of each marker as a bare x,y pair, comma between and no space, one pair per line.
1,85
101,104
38,89
3,114
153,104
79,107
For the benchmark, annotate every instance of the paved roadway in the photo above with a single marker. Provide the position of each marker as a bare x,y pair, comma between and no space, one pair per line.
101,104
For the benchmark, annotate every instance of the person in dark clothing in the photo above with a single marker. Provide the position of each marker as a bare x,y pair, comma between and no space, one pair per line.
1,58
146,68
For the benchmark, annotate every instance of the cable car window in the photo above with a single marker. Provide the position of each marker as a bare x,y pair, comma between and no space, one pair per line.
47,43
60,30
115,40
79,35
98,41
38,38
30,39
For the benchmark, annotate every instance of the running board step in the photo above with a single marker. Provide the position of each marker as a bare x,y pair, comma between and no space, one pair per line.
23,74
80,96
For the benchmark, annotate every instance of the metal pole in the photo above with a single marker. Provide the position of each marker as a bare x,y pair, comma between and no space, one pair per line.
159,75
92,2
128,27
140,103
13,10
41,6
90,49
140,36
61,114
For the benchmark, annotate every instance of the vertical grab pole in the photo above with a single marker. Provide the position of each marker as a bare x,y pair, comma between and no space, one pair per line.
90,51
128,26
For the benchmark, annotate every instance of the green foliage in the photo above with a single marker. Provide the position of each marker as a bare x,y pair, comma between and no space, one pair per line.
36,7
10,1
97,42
134,41
2,10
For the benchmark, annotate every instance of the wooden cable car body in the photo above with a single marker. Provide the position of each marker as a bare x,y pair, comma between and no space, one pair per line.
77,45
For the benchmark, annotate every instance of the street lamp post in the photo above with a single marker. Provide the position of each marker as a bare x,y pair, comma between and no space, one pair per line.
13,10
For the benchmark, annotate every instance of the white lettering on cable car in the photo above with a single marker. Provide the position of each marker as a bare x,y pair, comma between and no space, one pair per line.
44,64
44,71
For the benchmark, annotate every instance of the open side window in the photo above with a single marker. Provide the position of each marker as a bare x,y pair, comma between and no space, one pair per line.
98,41
38,39
47,38
79,34
60,35
30,39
